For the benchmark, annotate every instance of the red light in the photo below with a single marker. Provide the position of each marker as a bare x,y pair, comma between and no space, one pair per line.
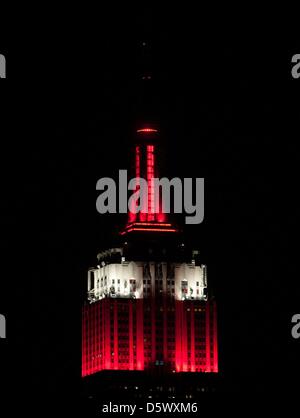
102,345
151,214
150,176
148,224
161,217
150,230
147,130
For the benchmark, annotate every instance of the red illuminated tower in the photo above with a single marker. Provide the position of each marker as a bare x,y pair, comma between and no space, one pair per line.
148,307
149,218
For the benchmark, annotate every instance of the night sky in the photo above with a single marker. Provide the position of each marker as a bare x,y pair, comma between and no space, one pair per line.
228,112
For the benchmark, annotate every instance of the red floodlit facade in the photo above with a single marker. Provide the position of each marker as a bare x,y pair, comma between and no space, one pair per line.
146,313
135,334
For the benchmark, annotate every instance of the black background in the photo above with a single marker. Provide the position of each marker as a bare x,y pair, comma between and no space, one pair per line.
228,109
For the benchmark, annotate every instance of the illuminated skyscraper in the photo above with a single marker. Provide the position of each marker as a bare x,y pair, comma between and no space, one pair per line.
148,305
148,308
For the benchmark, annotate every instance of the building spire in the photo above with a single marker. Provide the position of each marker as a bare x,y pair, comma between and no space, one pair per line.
147,97
146,62
145,214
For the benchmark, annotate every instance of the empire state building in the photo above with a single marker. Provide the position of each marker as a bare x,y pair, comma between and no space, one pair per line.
148,309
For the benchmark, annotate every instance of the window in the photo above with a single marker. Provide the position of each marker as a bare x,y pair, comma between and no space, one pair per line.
92,280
